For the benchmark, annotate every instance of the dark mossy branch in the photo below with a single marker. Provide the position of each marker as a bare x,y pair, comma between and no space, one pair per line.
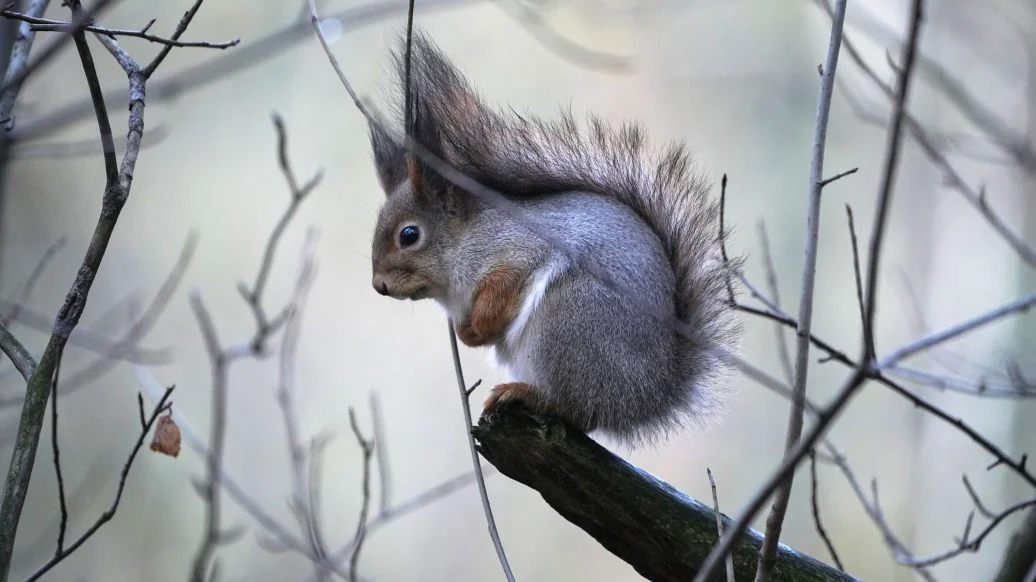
663,533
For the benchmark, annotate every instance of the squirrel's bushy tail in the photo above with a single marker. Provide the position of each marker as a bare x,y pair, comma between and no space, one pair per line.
524,155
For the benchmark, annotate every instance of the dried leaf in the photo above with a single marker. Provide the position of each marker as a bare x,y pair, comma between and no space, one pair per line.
167,436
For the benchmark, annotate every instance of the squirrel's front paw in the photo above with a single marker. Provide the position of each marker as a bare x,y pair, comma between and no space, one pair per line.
467,334
511,391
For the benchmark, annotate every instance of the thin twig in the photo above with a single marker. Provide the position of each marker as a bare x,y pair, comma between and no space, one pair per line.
44,24
143,323
56,449
768,549
405,508
872,509
719,522
304,495
815,505
367,448
20,357
723,236
253,296
838,176
784,355
783,352
30,282
857,276
967,542
218,363
1021,304
181,27
382,456
494,534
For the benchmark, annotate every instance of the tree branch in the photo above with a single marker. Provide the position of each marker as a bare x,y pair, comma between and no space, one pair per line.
37,392
664,534
22,359
45,24
768,551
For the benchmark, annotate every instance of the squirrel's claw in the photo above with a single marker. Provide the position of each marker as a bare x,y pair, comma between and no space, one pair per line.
510,391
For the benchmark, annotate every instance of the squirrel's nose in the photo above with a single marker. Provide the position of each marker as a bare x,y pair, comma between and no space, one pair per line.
380,285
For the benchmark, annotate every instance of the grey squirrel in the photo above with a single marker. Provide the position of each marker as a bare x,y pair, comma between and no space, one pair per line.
577,348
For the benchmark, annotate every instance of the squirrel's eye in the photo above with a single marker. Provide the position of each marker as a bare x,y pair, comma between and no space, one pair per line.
409,235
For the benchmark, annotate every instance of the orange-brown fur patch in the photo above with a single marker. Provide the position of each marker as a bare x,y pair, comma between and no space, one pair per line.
509,392
497,299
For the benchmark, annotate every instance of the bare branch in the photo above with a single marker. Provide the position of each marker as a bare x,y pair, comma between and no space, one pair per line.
30,283
838,176
858,276
218,362
20,357
180,29
304,483
253,297
968,543
768,550
783,352
44,24
56,449
873,509
852,385
1021,304
719,523
367,448
815,507
37,392
381,450
723,238
480,479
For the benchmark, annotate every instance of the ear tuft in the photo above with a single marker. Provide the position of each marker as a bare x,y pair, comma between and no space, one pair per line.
390,159
424,130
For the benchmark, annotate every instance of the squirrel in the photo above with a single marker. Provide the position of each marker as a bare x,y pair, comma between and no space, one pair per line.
578,349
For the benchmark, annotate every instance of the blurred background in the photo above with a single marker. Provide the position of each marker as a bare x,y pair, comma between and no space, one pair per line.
737,81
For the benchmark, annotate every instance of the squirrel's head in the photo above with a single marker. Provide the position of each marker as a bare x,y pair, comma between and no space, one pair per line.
421,220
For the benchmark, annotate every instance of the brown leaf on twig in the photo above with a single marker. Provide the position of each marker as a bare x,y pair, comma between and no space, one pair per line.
167,437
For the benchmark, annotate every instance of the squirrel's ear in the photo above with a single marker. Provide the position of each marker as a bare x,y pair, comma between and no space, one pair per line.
390,159
425,131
